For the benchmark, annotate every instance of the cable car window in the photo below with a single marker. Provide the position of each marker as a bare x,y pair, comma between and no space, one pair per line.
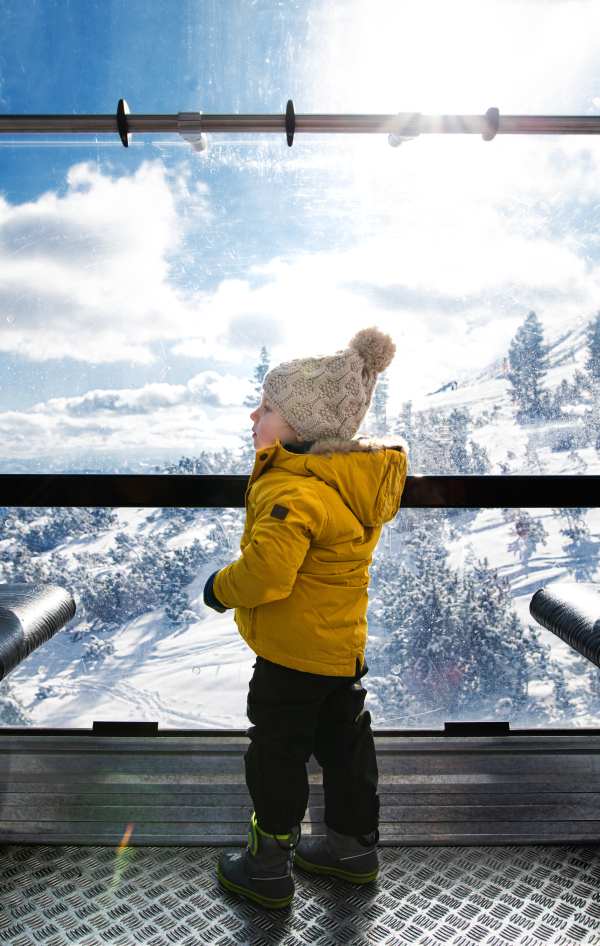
450,635
145,291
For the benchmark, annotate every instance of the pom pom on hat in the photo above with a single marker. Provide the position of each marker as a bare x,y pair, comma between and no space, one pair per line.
375,347
328,396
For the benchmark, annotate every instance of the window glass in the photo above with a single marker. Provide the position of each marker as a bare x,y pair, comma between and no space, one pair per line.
451,638
144,292
141,285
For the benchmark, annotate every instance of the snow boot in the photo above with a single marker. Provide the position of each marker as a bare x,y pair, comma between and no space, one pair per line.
263,872
342,855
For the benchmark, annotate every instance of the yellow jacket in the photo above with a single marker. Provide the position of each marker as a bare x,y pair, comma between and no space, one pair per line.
299,588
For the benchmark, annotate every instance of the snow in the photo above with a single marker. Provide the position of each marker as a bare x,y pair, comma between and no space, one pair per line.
185,678
527,568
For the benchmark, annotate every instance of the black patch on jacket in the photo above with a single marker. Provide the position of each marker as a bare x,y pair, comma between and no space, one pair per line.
279,512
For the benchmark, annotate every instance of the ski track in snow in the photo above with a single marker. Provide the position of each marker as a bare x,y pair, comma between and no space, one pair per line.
196,675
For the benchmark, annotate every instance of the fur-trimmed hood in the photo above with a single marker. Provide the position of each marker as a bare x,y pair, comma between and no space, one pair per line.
326,448
368,473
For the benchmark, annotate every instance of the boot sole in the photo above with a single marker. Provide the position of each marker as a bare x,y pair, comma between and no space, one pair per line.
335,871
251,895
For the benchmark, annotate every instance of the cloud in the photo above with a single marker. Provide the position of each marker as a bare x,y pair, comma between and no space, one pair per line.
452,242
86,275
160,419
252,330
209,387
457,244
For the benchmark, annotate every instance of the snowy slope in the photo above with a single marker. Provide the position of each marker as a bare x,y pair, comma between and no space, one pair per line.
187,675
488,393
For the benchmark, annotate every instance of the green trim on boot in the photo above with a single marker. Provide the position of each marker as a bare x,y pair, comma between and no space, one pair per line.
263,872
313,854
273,893
255,832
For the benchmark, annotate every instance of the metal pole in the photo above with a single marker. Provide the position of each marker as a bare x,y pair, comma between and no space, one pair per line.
409,124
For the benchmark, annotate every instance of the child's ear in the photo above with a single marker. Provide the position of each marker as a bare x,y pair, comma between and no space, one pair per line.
300,439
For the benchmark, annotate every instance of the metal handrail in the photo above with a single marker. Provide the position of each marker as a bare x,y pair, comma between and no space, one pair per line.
407,124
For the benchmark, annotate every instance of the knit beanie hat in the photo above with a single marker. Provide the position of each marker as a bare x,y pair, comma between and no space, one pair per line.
328,396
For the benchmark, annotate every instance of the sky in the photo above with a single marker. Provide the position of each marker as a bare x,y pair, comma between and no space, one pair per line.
137,286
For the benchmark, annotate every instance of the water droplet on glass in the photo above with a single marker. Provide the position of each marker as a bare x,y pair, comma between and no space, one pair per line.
8,523
579,320
196,670
396,670
10,318
42,669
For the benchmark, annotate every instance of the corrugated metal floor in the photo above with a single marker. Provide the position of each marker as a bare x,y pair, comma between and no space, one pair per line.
161,896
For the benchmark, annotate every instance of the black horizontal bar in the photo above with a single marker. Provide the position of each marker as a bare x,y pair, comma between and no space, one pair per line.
493,492
116,728
116,490
239,733
197,492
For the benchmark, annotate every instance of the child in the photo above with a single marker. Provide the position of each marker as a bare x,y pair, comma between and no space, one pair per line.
315,505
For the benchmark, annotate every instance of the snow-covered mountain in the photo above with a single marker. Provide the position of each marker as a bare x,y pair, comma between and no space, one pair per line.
156,653
486,395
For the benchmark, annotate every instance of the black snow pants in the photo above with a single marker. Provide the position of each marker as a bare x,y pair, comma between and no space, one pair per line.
296,714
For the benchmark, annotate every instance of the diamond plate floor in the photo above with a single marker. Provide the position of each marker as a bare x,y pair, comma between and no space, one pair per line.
59,896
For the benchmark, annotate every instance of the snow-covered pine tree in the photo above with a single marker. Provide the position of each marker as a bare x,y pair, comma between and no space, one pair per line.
576,528
12,711
593,361
439,443
593,368
526,528
404,424
582,546
379,424
456,646
465,458
225,461
136,574
528,362
253,400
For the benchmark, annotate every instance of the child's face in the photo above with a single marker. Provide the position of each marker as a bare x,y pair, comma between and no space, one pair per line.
268,424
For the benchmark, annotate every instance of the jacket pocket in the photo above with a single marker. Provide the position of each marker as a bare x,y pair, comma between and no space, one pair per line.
244,618
251,624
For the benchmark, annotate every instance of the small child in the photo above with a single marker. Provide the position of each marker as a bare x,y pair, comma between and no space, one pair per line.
315,505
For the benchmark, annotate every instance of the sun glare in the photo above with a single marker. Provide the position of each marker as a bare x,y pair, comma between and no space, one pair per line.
440,57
